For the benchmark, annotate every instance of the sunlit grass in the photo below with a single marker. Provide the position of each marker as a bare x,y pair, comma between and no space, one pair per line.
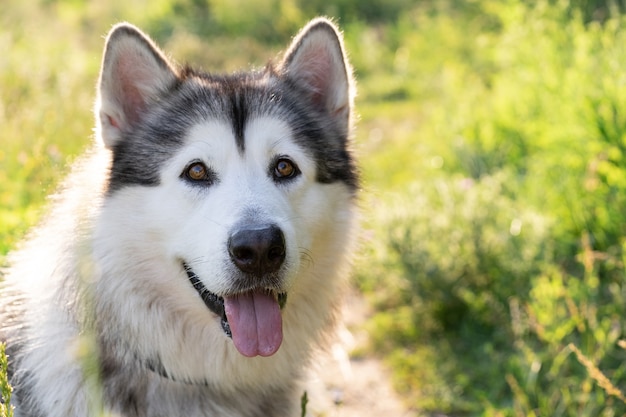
6,410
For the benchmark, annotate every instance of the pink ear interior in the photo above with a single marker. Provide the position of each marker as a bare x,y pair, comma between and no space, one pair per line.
316,72
134,72
316,62
131,74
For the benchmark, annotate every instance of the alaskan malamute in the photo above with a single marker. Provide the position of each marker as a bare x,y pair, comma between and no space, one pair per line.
191,264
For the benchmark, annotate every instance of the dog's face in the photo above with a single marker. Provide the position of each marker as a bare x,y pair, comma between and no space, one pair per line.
241,222
235,183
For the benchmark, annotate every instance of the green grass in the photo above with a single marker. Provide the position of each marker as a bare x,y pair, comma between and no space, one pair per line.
5,389
499,240
492,139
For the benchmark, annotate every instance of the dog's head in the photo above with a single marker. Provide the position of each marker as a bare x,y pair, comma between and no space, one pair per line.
239,181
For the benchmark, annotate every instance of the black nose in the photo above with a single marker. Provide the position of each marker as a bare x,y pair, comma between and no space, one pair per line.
257,250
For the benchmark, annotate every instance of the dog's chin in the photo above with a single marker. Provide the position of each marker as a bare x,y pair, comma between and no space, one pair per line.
215,303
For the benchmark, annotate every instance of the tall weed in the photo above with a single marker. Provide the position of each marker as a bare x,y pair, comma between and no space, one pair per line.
6,410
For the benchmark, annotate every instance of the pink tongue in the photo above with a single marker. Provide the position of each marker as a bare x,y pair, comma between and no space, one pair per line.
255,323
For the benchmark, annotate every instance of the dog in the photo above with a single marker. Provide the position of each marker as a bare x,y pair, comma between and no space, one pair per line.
193,261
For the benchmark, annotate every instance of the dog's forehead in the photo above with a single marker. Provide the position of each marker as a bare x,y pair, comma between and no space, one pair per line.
224,116
235,98
214,140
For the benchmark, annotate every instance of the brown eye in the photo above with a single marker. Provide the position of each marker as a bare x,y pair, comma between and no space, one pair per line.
284,169
197,172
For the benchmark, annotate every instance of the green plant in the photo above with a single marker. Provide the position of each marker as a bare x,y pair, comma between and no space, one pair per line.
456,251
304,400
522,124
565,334
6,410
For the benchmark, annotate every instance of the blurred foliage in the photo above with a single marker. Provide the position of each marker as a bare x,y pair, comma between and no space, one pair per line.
492,139
505,244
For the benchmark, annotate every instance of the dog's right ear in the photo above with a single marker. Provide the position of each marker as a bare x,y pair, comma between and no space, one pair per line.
316,61
134,73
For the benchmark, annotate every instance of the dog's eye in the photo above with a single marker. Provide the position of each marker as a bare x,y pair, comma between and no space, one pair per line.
285,169
198,172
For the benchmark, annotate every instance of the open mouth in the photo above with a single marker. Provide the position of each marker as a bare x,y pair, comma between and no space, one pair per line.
214,302
252,319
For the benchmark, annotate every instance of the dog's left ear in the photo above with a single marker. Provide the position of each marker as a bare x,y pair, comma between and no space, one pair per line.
134,74
316,61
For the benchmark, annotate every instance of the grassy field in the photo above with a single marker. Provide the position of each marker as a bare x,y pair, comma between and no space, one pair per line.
493,144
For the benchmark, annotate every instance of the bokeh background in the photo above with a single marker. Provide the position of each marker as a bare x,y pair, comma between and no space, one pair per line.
492,138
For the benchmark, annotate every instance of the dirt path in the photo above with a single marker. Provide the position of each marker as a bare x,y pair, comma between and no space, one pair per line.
356,387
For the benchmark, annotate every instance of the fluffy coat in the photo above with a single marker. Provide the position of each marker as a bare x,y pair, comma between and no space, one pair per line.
99,307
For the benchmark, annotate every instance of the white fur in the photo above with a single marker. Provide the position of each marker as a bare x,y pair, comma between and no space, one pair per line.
182,221
115,259
139,258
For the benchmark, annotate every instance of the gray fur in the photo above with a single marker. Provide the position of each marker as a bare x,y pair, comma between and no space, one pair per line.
199,96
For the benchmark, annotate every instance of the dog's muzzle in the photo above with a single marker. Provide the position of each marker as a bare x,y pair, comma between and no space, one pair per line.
215,303
250,312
